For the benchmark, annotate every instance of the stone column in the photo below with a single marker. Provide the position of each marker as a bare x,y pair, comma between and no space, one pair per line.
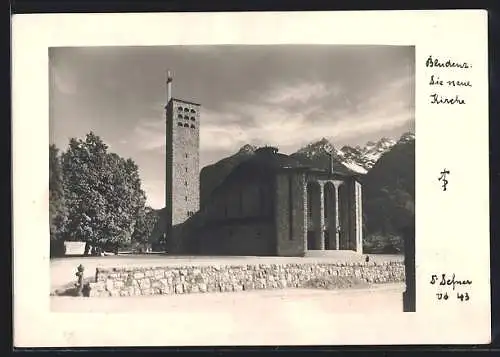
357,220
331,216
337,216
306,213
321,236
318,217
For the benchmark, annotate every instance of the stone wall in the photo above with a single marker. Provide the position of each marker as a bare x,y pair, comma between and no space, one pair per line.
202,279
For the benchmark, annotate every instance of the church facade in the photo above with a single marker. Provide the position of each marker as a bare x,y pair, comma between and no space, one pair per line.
272,205
269,205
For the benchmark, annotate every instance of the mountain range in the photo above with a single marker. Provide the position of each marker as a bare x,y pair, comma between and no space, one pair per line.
358,159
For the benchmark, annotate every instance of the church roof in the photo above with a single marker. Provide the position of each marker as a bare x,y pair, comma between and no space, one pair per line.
265,162
270,160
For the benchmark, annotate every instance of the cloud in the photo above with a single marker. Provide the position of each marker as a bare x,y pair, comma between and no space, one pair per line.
275,124
63,81
301,93
149,135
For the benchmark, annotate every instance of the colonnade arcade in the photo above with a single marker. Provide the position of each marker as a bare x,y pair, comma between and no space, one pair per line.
329,221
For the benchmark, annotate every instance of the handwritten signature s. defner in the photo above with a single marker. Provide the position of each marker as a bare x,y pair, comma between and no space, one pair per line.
445,280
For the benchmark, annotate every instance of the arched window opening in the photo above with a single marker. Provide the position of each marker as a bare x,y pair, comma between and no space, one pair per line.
192,126
186,125
179,124
179,116
193,111
193,118
186,117
179,108
186,109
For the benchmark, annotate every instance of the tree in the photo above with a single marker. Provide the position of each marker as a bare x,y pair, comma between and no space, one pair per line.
146,222
103,192
57,204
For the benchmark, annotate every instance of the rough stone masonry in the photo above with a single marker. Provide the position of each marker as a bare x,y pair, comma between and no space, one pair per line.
138,281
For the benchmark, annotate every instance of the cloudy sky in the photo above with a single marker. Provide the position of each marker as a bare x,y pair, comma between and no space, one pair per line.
287,96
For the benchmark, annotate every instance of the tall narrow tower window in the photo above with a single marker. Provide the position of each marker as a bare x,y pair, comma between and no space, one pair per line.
186,156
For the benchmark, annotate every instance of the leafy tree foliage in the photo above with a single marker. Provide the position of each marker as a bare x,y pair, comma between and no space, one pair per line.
103,193
57,204
146,222
389,199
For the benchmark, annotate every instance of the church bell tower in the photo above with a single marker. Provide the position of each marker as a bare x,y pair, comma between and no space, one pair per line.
182,191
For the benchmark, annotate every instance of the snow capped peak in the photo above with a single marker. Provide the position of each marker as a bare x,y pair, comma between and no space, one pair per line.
247,148
407,137
386,142
317,148
361,158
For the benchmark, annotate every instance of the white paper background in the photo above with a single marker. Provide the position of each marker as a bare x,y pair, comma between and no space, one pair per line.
452,227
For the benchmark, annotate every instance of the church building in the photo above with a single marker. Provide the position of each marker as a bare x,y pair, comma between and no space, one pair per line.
273,205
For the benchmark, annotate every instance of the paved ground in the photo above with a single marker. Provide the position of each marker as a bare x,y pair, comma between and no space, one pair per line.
278,317
248,305
62,270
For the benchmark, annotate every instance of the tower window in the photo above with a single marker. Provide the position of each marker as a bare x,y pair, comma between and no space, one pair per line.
185,183
186,156
179,116
179,124
185,198
193,118
193,111
186,125
186,169
186,117
192,126
186,109
179,108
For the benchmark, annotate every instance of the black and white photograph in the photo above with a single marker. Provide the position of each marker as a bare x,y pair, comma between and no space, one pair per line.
250,179
242,170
